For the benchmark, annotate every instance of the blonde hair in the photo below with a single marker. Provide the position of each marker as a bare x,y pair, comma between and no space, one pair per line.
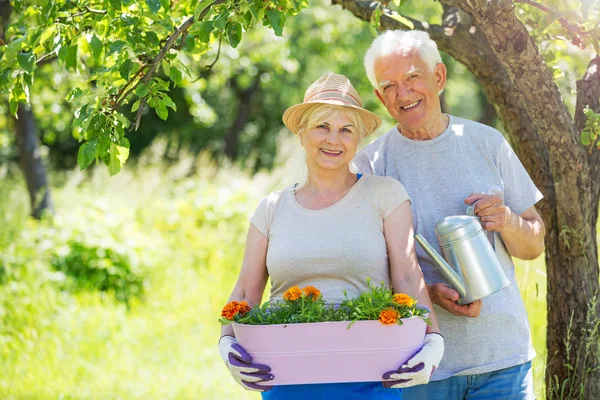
326,112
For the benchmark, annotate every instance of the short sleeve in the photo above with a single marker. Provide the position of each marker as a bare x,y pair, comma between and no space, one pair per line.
260,219
362,164
392,195
520,193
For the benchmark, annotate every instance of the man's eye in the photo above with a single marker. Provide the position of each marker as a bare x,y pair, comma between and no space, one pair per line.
387,88
413,77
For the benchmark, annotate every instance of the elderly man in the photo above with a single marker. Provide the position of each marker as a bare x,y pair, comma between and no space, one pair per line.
445,164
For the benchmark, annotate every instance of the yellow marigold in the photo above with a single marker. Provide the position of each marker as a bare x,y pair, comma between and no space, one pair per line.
388,316
312,291
243,307
292,294
230,310
404,300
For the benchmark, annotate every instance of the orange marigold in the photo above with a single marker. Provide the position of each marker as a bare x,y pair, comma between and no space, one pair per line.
243,307
312,291
292,294
404,300
230,310
388,316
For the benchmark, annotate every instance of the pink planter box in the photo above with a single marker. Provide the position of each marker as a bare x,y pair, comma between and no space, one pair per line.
328,352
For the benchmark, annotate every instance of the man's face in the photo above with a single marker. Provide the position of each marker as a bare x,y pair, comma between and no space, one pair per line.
409,90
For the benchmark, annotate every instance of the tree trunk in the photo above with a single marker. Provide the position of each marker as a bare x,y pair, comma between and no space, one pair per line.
498,50
31,162
245,97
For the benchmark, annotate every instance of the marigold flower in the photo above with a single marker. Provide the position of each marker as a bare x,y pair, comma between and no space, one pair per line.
312,291
292,294
230,310
243,307
388,316
404,300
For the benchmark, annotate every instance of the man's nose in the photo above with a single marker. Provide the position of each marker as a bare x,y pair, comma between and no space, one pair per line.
403,92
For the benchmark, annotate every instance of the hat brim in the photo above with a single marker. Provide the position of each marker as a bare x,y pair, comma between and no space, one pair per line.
292,116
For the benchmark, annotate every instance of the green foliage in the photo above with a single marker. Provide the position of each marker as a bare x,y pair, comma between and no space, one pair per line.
591,131
119,45
309,306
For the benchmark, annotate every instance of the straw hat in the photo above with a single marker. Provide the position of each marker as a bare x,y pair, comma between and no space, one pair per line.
333,89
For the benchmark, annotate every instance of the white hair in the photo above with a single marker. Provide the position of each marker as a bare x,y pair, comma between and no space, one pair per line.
396,41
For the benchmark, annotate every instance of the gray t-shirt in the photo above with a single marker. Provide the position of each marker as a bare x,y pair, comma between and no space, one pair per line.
333,249
438,175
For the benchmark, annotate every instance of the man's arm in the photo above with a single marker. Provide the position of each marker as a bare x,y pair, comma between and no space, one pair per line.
523,234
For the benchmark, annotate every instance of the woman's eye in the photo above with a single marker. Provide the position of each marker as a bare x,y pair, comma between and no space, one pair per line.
346,130
322,127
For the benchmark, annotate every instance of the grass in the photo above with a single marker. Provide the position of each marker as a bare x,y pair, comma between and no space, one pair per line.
187,231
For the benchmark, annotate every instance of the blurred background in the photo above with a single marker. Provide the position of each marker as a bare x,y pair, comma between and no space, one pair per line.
117,295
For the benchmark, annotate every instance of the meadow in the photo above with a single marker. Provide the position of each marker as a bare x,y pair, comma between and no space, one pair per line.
118,295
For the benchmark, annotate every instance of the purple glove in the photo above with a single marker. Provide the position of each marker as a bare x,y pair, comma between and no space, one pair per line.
419,368
240,365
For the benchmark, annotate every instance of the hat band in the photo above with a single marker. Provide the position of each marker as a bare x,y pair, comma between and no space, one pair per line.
334,95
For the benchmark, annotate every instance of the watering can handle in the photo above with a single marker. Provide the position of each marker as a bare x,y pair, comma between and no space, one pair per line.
471,213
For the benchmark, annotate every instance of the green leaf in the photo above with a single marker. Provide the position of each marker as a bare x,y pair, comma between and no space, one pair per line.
166,4
221,20
47,34
118,155
169,102
135,105
161,110
204,33
96,46
87,153
26,61
403,20
585,138
13,105
234,34
125,69
175,74
73,94
276,20
201,7
190,43
153,5
142,90
116,4
71,57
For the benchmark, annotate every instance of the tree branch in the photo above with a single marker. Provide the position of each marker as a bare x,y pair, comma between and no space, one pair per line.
162,54
577,32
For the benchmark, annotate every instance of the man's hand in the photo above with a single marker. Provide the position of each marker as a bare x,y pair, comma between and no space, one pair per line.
491,210
447,298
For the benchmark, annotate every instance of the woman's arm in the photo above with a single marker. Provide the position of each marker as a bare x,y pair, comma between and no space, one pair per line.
404,269
253,275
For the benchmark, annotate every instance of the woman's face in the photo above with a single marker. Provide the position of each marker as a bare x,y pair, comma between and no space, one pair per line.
331,144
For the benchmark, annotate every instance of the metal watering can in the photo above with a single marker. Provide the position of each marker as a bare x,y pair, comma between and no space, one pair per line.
470,263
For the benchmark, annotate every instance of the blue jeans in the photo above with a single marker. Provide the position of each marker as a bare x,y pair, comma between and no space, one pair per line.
514,383
333,391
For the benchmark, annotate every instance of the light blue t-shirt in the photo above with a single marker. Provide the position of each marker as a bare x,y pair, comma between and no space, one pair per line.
438,175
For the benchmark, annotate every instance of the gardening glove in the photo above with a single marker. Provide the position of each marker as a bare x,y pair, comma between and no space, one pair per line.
419,368
241,367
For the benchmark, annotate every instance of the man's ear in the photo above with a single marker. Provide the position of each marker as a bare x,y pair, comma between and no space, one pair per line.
440,76
379,96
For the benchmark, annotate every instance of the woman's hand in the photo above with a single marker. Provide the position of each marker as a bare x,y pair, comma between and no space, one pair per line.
419,368
240,365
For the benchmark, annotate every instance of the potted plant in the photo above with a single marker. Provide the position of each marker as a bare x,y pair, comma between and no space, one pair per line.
304,340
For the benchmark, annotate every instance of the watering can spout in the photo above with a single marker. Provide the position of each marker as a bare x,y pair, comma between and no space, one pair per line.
446,270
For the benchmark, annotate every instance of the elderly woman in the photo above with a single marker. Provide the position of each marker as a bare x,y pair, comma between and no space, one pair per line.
332,232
